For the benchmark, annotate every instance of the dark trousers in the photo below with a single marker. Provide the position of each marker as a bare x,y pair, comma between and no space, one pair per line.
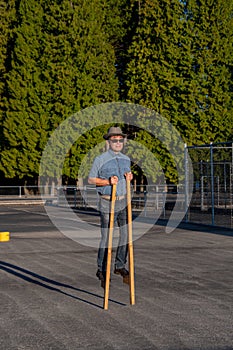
120,220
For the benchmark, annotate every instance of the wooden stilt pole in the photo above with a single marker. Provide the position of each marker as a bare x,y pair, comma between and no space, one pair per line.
109,256
130,245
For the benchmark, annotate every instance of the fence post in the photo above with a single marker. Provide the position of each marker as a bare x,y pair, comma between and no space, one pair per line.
202,193
186,181
156,198
145,202
212,181
75,197
164,202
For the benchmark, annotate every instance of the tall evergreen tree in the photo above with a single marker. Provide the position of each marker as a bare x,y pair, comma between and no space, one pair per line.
121,20
151,76
180,65
7,22
23,124
207,98
82,70
58,57
62,62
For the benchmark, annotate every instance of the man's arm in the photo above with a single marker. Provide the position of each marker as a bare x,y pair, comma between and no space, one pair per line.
113,180
98,181
93,178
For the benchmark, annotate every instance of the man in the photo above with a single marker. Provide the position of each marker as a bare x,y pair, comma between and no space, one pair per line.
112,167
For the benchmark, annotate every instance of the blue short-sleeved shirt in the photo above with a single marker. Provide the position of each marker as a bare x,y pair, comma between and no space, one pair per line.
109,164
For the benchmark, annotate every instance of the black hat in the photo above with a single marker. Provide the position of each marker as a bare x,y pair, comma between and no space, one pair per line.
114,131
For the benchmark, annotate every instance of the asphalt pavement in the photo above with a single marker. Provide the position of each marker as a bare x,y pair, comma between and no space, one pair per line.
51,299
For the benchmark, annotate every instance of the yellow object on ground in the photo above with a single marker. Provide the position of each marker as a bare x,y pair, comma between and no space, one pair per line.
4,236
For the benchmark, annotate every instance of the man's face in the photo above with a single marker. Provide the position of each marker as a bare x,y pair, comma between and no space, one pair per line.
116,143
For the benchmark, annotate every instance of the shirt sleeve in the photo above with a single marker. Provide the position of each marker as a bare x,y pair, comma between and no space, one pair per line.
94,172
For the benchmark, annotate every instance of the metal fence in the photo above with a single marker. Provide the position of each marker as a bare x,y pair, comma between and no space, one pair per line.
150,200
212,198
212,195
22,192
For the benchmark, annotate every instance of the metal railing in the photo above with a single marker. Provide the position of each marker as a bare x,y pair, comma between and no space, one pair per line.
150,200
153,200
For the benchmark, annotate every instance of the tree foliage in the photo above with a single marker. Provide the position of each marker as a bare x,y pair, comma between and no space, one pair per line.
59,57
208,81
62,61
180,64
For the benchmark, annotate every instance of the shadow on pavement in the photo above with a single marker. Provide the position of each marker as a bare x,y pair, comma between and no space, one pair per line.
25,275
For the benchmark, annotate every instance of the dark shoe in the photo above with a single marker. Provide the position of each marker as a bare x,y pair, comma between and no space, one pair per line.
100,275
123,272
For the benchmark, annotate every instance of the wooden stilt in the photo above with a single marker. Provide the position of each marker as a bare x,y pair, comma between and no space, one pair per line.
130,245
109,256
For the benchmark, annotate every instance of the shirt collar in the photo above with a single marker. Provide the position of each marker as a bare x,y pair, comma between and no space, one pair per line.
113,154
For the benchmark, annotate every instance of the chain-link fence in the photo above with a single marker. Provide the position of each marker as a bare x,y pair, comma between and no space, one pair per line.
212,198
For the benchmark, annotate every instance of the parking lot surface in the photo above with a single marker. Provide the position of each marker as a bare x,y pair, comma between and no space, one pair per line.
51,298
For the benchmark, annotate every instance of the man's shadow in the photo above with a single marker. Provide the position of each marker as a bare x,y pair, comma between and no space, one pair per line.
25,275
